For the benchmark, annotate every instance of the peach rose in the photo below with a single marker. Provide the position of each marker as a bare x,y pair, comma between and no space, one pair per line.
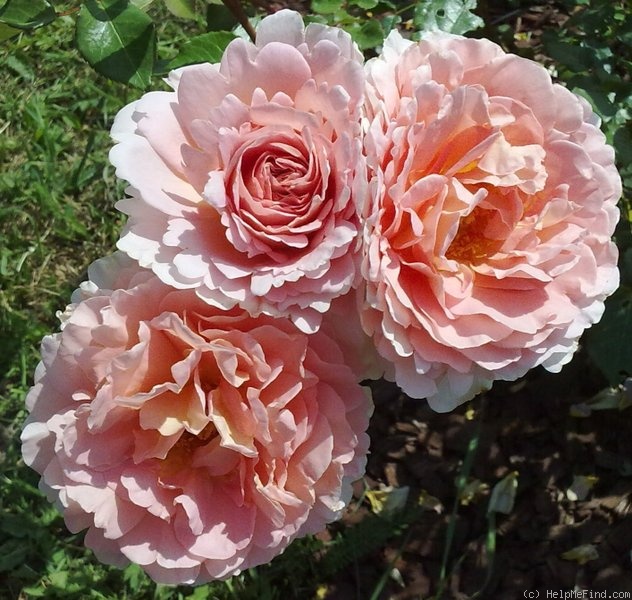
488,231
242,180
192,441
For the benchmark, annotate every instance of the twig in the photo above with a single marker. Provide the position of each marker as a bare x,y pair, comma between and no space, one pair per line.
70,11
507,16
234,6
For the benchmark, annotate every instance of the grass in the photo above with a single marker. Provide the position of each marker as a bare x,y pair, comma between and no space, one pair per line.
58,189
56,215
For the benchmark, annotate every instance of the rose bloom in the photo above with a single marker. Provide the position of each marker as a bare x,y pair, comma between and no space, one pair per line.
488,230
192,441
243,179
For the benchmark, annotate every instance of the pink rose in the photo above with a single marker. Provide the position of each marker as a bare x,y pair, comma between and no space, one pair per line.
193,441
493,201
343,325
242,179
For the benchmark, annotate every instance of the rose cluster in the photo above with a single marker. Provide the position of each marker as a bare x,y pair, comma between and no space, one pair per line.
300,221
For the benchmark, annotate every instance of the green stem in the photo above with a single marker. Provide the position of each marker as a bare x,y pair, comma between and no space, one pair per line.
382,582
461,481
490,551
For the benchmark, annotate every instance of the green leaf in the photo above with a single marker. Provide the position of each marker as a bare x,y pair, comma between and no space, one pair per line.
15,525
7,32
453,16
142,4
608,342
208,47
133,576
366,4
388,500
35,592
503,495
12,553
390,22
325,7
201,593
118,40
369,35
575,57
581,554
59,579
21,68
586,86
219,18
623,144
183,9
27,14
610,398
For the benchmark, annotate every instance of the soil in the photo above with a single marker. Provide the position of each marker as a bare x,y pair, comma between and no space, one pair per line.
529,428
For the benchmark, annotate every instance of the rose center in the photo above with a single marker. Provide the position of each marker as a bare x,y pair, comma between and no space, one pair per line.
471,245
180,455
277,175
284,174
